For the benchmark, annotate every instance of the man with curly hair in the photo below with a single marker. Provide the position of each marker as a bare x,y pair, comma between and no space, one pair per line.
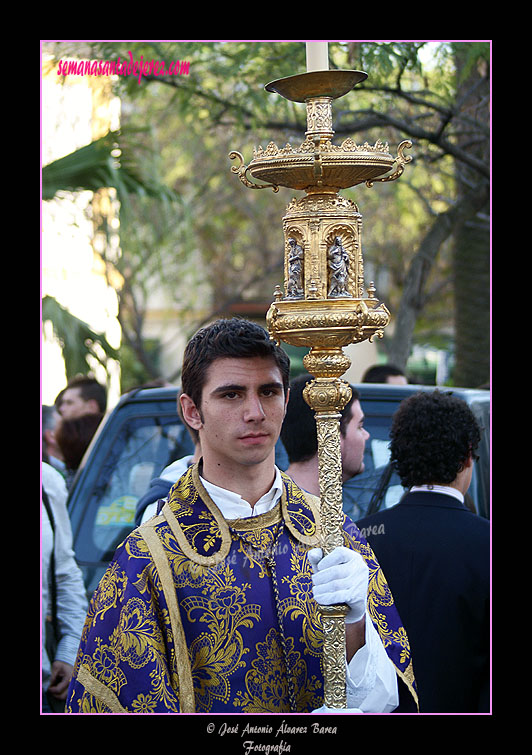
435,553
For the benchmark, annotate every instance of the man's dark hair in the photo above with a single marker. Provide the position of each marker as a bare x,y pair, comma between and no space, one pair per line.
298,433
89,389
73,437
379,372
432,436
232,338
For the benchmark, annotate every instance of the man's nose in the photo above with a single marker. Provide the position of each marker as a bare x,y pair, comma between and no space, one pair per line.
253,409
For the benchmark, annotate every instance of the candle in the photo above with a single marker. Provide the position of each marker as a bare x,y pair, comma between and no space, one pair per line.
317,56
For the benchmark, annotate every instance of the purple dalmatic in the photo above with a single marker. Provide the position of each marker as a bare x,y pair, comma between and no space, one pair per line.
199,614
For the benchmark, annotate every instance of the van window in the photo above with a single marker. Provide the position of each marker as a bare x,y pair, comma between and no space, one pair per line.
140,450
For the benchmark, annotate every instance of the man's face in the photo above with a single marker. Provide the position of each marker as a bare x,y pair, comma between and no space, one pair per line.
242,409
73,405
353,443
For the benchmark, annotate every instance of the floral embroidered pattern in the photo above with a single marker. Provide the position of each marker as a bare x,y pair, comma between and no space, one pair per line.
135,642
301,604
217,652
266,682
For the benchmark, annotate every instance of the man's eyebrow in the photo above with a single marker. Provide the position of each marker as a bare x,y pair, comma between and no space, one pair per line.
227,387
274,385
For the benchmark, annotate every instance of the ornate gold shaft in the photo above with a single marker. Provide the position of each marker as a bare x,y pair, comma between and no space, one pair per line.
325,395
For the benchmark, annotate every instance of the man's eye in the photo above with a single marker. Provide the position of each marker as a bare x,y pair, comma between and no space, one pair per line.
271,392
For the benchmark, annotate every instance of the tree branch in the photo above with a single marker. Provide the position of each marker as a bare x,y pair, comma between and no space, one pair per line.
413,297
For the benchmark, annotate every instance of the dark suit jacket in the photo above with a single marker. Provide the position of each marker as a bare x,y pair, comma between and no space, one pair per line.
435,555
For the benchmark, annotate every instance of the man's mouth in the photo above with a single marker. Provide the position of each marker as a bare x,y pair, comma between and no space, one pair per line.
252,438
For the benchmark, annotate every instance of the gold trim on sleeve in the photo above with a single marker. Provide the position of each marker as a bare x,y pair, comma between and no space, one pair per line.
99,690
408,678
184,674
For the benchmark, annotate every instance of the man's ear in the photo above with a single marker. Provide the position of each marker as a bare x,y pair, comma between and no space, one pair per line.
93,406
191,414
467,463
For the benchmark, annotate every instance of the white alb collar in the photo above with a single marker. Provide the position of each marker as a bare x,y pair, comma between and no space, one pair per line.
233,506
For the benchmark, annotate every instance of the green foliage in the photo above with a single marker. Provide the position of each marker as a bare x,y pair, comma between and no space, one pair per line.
472,55
133,372
115,160
78,341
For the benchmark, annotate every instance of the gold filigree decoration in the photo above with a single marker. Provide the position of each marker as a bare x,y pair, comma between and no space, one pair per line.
308,146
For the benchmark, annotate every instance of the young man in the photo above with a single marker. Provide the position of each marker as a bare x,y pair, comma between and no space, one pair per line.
300,438
435,552
212,606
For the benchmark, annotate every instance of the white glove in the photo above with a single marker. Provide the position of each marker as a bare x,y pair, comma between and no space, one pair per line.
340,577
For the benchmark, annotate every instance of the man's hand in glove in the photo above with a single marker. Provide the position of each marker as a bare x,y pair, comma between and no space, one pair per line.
340,577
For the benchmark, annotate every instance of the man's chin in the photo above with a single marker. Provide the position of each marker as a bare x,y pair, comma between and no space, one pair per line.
346,477
254,456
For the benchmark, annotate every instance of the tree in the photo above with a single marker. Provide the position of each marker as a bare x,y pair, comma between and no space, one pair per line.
472,237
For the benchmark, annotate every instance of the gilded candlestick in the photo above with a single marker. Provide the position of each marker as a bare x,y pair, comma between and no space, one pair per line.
325,304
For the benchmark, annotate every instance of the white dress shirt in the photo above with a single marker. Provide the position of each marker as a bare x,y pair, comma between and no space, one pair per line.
371,676
445,489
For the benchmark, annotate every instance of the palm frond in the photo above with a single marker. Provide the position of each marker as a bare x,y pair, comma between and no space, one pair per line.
109,162
77,339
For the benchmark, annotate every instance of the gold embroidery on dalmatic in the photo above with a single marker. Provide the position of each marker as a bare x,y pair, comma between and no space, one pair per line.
158,554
